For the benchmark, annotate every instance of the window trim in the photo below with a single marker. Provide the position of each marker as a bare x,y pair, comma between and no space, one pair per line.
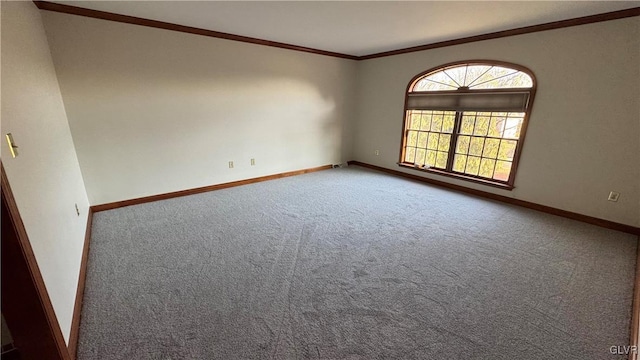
506,185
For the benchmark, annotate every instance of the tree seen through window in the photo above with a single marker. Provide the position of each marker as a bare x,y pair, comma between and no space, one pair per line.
468,120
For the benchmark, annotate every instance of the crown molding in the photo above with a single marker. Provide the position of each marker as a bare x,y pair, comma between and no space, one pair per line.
103,15
96,14
614,15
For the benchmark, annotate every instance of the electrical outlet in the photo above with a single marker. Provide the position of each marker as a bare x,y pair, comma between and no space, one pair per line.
613,196
77,210
253,162
230,164
377,152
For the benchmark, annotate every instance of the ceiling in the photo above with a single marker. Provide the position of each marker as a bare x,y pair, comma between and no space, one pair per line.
356,27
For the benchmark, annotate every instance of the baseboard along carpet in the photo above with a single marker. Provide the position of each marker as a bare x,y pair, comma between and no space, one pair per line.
352,264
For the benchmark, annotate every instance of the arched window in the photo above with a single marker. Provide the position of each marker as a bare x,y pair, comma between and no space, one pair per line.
468,120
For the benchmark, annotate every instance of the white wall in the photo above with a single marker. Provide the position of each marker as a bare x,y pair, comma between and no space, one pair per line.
583,135
154,111
45,177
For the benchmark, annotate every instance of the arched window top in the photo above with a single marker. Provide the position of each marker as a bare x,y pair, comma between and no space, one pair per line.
473,76
468,120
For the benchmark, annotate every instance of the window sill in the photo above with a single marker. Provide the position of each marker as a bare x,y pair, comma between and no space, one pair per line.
498,185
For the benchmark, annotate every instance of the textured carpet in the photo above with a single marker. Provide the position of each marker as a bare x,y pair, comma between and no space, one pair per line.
352,264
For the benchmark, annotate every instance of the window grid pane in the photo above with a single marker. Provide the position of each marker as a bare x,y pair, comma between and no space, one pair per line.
420,156
486,144
428,137
459,163
474,76
474,133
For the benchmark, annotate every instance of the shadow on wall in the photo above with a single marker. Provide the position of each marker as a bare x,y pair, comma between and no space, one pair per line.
286,123
191,115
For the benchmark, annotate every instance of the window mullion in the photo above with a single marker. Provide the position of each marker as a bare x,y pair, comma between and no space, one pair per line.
454,140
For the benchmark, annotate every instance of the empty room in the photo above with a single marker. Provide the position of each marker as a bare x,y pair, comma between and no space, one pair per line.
320,180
